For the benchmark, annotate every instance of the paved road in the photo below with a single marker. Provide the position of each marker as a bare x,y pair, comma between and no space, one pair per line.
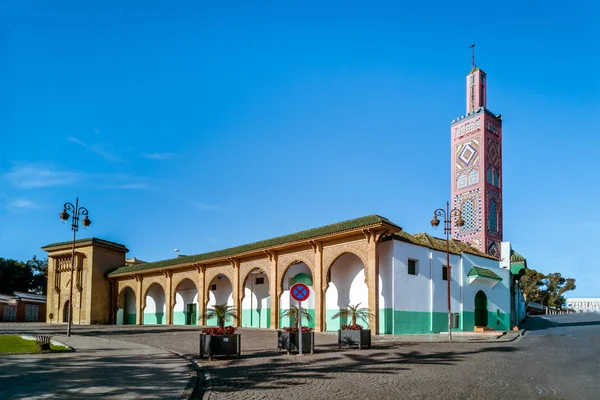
99,369
556,359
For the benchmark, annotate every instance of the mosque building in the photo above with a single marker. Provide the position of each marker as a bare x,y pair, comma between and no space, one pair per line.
401,278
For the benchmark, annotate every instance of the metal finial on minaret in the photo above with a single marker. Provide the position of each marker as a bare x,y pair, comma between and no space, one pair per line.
472,55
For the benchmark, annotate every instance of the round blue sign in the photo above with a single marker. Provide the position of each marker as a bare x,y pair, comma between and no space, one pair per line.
299,292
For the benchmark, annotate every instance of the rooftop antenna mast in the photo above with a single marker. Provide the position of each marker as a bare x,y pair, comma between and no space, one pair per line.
472,55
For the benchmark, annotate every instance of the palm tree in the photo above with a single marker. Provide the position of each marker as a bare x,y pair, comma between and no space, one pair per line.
354,313
292,312
221,312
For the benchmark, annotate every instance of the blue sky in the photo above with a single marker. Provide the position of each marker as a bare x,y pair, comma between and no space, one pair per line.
200,127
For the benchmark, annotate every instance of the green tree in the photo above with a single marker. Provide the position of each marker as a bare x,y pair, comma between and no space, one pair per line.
18,276
222,312
531,284
354,313
293,313
556,286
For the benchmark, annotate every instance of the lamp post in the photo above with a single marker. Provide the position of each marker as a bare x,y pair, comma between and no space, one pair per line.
447,215
64,215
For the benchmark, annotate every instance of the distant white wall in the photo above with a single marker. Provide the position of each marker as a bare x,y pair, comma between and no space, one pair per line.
347,285
412,292
386,275
155,300
222,294
498,297
186,294
440,286
286,299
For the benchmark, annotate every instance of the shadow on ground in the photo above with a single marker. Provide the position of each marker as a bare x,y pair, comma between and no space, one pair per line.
86,376
279,372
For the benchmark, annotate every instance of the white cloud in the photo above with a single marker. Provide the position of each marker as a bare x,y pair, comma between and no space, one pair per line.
159,156
37,176
206,207
106,153
22,204
30,176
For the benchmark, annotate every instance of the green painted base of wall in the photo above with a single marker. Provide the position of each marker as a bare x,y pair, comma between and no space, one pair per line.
468,321
412,322
155,319
129,319
499,321
284,322
256,318
213,322
179,318
386,320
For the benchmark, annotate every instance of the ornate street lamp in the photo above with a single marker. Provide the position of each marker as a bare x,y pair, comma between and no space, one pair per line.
447,215
64,215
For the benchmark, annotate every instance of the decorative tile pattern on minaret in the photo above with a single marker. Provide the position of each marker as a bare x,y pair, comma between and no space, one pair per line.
477,169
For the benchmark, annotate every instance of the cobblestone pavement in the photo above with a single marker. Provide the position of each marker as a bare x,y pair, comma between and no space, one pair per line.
556,359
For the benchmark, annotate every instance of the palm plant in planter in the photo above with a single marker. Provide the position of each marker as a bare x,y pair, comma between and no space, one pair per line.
221,340
354,334
288,338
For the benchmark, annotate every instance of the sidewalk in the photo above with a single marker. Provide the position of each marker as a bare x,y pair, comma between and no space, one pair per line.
462,337
100,368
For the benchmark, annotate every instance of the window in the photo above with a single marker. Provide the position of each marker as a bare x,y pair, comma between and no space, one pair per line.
445,272
412,267
490,175
260,281
496,179
213,287
493,216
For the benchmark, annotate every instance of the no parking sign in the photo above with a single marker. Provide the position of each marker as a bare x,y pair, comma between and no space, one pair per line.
299,292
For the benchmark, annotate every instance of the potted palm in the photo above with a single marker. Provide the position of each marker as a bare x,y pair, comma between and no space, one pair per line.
288,338
221,340
353,334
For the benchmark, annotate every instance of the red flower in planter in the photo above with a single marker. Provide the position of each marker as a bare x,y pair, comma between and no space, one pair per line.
354,327
226,331
305,329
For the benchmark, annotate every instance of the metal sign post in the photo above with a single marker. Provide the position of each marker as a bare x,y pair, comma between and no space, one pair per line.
300,327
299,292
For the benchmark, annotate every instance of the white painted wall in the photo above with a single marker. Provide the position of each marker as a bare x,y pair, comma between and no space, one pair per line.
347,285
386,273
256,296
411,292
186,294
286,299
223,293
440,286
498,296
155,300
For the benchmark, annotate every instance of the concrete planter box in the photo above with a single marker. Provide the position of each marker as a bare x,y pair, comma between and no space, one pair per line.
230,345
288,341
350,338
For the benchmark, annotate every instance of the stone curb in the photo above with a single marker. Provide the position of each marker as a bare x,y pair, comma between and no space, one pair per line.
194,388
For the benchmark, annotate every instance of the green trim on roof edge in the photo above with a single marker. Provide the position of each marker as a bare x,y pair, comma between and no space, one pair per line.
484,273
326,230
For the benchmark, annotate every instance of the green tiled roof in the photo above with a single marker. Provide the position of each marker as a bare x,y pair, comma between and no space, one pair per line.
423,239
264,244
516,257
484,273
92,240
